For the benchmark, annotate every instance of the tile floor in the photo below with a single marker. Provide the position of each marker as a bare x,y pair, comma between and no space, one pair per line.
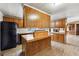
57,49
72,39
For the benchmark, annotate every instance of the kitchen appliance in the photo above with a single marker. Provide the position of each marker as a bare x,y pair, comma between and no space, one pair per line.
8,36
56,30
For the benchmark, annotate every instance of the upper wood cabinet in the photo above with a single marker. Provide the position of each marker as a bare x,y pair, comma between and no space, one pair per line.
35,19
19,22
59,23
52,24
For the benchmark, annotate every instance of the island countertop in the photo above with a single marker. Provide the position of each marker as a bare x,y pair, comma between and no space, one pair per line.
30,38
31,45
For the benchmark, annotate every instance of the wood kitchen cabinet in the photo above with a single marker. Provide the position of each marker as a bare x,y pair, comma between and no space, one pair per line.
32,46
60,23
58,37
52,37
40,34
18,21
53,24
8,19
55,37
57,24
42,20
61,38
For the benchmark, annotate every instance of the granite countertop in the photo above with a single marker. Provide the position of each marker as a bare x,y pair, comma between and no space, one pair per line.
30,38
21,32
57,32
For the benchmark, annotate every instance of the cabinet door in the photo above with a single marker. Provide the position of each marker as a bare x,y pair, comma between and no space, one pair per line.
8,19
52,37
53,24
57,24
61,38
55,37
42,20
62,23
19,22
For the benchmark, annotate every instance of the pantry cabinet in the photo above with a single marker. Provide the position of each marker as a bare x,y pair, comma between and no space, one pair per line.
41,20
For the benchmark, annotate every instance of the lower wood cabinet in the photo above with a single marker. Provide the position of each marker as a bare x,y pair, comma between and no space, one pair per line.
58,37
54,37
61,38
33,47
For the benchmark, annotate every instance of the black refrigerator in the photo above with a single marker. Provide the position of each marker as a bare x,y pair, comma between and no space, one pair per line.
8,35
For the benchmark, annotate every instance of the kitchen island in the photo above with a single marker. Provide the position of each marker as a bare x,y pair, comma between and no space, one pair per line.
31,45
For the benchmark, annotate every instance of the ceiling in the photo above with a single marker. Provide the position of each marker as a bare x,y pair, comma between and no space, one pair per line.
16,9
49,8
12,9
55,9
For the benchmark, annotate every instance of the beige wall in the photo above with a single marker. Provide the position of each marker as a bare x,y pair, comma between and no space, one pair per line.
1,16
